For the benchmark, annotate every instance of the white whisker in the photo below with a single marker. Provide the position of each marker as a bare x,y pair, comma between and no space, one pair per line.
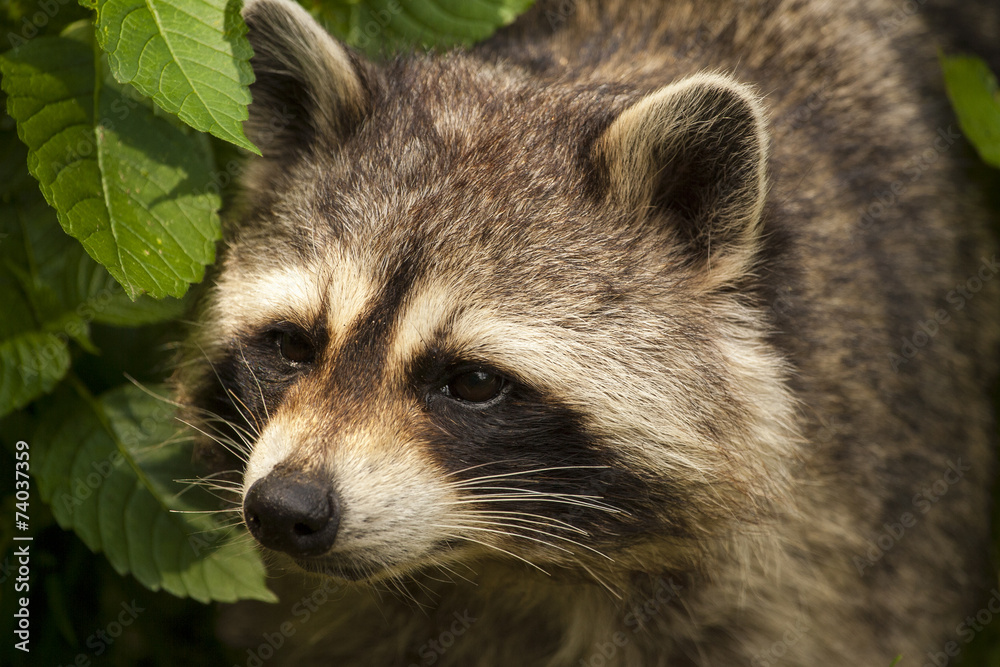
476,480
492,546
539,531
231,395
551,522
263,403
227,443
536,498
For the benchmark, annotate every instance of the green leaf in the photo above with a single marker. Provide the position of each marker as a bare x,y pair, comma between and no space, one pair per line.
377,26
974,94
31,365
59,279
33,357
14,176
191,57
50,290
110,305
130,185
107,468
23,20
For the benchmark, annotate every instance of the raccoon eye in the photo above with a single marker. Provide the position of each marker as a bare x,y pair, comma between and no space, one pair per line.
476,386
295,346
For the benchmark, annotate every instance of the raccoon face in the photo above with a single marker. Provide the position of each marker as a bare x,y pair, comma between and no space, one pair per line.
465,315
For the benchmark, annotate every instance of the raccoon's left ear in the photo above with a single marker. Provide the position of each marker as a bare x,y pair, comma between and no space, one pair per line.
695,151
309,90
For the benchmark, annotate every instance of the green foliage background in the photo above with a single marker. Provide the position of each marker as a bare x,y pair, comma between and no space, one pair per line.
122,122
122,132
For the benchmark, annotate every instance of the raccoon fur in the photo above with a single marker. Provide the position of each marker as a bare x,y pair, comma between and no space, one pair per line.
642,334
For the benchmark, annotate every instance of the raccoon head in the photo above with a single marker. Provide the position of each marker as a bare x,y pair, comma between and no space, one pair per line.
467,315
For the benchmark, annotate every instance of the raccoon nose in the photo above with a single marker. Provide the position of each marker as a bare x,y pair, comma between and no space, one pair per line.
296,514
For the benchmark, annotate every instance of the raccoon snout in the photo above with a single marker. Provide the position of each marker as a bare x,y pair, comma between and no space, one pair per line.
296,514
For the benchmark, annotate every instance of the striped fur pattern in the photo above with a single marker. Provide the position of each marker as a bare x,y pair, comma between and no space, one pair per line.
654,226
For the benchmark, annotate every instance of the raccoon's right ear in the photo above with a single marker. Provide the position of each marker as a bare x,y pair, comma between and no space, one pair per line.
694,152
308,90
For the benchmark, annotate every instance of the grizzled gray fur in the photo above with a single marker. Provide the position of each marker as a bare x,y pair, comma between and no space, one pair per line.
645,333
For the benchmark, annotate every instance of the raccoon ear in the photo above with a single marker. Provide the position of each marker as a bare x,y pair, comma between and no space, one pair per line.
697,150
308,87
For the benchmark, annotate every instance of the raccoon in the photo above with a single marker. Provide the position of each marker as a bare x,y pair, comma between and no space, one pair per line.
641,334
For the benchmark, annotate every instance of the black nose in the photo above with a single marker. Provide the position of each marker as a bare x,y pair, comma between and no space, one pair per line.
294,513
